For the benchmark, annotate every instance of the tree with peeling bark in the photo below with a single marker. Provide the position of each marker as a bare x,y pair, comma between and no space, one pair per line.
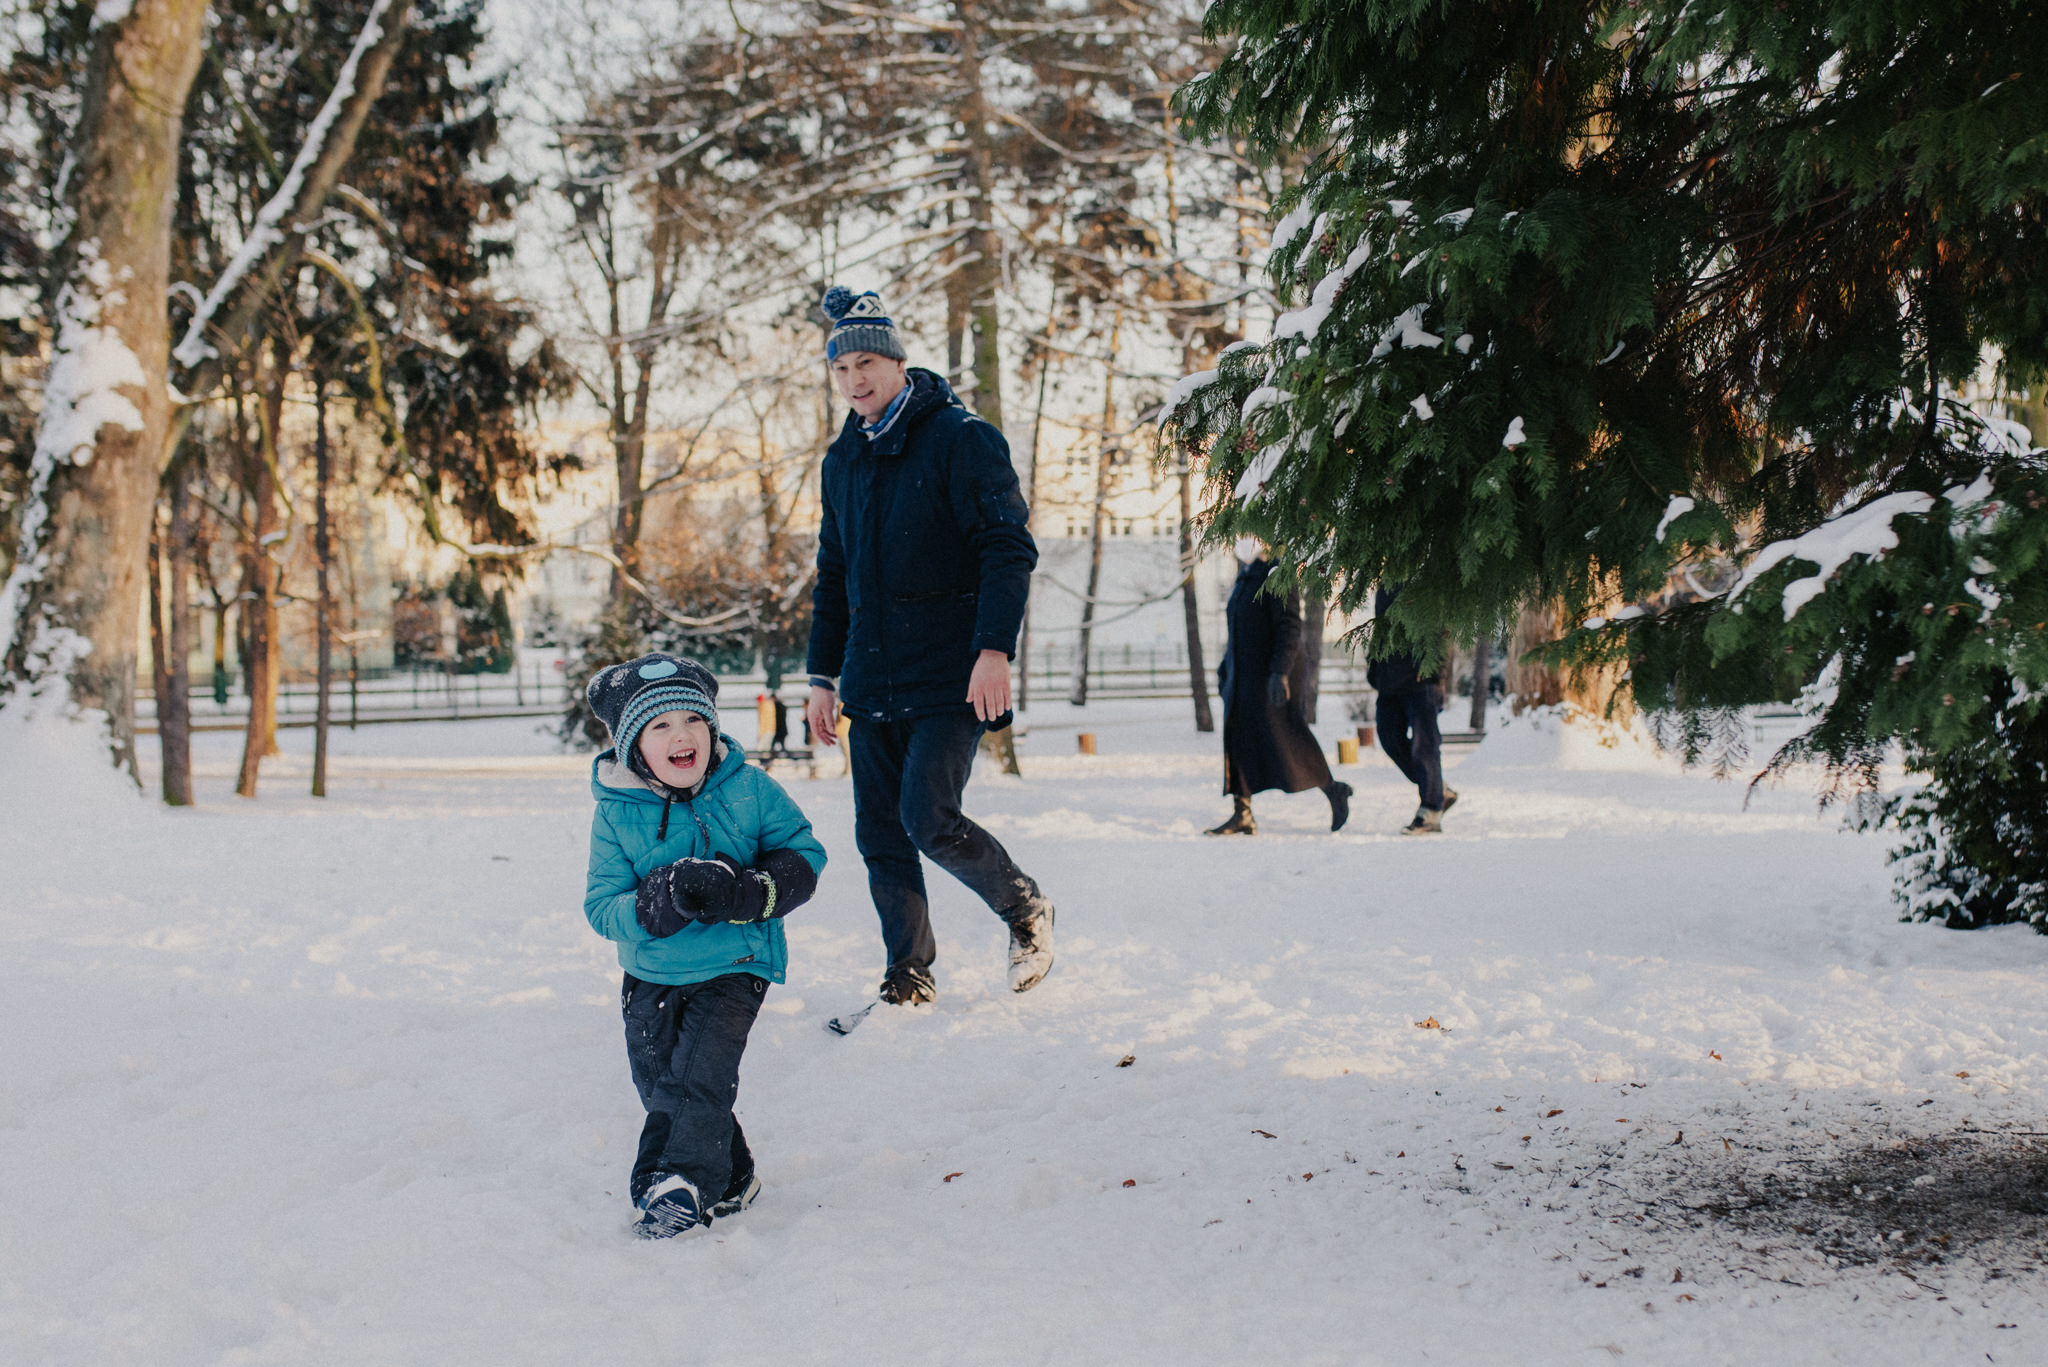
70,602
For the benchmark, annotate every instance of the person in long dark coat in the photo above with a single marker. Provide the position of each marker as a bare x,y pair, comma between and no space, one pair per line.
1264,684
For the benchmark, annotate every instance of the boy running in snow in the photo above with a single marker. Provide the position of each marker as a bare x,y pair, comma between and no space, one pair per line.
695,857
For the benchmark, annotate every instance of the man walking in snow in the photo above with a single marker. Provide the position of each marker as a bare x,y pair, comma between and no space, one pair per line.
1405,712
924,560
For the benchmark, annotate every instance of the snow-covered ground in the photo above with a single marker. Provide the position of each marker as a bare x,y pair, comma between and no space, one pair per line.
297,1082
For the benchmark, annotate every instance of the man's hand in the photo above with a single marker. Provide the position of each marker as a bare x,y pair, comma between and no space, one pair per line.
989,687
822,712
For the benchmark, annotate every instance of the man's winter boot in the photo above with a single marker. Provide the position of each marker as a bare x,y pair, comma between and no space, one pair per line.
670,1206
908,987
739,1194
1339,794
1031,945
1240,822
1426,822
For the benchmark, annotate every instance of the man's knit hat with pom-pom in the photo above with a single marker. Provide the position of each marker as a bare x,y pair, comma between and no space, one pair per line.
860,322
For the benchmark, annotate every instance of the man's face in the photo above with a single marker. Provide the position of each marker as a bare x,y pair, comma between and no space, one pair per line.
867,381
677,748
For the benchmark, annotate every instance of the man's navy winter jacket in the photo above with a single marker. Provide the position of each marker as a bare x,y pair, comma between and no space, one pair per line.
924,556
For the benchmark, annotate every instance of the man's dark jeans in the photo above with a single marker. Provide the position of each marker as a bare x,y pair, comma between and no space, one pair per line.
907,780
684,1045
1409,735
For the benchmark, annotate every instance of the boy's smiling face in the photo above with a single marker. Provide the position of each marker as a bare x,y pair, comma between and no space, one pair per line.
677,748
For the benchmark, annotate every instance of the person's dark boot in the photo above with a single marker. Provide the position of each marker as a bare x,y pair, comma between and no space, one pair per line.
1339,793
1240,822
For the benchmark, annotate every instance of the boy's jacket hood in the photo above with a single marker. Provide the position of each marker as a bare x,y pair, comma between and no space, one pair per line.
611,779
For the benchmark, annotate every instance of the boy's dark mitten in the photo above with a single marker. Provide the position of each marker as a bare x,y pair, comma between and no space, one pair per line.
654,905
719,889
794,878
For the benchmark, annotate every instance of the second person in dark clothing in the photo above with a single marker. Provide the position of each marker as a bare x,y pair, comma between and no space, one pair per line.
924,560
1405,713
1264,684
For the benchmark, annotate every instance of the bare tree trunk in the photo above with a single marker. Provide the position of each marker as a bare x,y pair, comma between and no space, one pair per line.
159,648
1078,694
1314,610
956,309
174,701
259,602
984,274
1531,682
70,604
1198,667
322,550
1052,317
1482,671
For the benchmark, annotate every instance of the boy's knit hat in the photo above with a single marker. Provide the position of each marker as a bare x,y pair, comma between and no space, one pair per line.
626,697
860,322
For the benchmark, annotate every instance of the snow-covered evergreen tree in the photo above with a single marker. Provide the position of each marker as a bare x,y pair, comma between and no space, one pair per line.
1591,294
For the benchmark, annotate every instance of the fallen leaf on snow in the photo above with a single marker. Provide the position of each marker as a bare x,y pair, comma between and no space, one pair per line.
1429,1023
1712,1055
1962,1074
1268,1133
951,1175
1548,1114
1127,1060
1130,1181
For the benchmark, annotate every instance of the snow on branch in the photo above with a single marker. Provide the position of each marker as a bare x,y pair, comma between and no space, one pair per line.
269,229
1866,531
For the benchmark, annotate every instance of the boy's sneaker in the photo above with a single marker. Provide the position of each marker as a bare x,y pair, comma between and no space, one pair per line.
669,1207
1031,945
739,1194
908,987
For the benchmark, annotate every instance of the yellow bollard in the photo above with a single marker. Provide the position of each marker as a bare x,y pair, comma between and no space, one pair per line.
1347,750
764,722
1087,742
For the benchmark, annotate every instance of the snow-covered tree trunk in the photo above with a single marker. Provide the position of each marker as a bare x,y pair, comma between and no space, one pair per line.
71,608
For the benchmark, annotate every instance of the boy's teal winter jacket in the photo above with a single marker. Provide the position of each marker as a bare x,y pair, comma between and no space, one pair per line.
739,811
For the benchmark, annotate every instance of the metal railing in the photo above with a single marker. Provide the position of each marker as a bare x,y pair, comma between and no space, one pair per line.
539,688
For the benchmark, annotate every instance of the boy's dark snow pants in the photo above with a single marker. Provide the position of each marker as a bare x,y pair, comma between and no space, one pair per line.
907,780
684,1045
